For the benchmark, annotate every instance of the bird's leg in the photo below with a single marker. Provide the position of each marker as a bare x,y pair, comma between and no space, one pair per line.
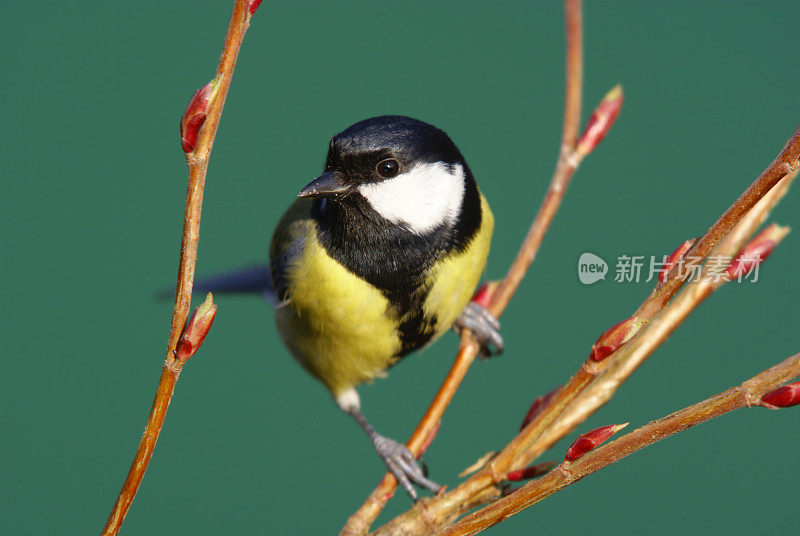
483,325
398,459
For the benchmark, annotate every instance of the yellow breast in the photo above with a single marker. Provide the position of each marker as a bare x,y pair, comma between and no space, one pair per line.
453,280
338,326
343,330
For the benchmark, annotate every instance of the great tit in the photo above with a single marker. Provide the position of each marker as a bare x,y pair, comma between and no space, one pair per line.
377,258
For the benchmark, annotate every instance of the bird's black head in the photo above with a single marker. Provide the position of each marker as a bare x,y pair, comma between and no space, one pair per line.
395,197
408,171
358,150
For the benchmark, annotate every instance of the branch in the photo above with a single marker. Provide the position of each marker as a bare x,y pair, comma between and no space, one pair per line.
565,167
745,395
594,388
580,395
360,521
784,166
538,435
197,159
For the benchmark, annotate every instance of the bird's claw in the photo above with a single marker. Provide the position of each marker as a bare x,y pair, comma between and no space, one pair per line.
403,465
484,326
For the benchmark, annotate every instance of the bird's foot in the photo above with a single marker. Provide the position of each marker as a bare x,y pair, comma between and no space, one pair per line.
483,325
403,465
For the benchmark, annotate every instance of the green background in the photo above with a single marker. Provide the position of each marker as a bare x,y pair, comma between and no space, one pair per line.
94,182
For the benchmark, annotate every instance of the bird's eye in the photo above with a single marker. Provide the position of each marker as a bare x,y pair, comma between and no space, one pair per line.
388,168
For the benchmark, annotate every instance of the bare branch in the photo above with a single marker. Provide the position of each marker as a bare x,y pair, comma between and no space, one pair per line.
360,521
197,161
587,390
745,395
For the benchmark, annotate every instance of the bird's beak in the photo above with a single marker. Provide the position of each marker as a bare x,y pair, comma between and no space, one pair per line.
325,185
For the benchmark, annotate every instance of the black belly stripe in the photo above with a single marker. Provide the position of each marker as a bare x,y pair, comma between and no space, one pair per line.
415,328
415,332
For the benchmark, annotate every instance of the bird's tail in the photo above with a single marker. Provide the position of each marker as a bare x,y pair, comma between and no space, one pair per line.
255,279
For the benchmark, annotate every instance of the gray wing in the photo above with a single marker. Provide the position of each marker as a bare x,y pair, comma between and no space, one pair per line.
280,265
288,243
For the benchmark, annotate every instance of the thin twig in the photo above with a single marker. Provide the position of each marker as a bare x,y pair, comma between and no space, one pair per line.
531,445
360,521
445,508
633,354
198,165
784,164
523,449
565,166
538,436
745,395
586,396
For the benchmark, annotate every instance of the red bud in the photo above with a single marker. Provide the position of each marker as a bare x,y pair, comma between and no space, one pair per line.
537,407
196,329
782,397
530,472
753,254
600,122
253,6
195,115
484,293
590,440
674,258
614,337
756,251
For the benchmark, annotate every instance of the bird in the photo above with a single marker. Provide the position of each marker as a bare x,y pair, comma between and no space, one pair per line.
376,258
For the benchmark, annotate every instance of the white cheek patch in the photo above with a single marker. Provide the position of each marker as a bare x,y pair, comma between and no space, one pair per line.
426,196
